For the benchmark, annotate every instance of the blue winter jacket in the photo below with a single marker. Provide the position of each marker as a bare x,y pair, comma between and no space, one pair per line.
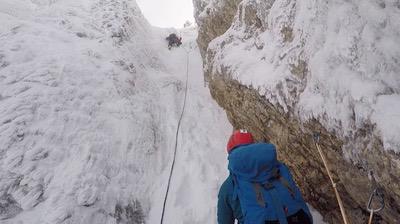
228,206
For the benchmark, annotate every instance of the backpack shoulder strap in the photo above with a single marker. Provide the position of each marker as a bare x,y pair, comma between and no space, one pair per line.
277,175
259,194
285,183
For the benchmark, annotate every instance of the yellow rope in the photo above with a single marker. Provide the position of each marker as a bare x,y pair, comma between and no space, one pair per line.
333,184
370,217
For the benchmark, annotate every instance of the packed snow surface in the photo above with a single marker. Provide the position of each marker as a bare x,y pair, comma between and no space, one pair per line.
90,98
336,61
89,102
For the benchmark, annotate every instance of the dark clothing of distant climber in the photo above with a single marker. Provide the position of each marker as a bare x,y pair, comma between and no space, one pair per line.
173,40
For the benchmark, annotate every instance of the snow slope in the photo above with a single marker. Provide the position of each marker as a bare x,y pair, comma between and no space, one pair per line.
89,102
335,61
201,159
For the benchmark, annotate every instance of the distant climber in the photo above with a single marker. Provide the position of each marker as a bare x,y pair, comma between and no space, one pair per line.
173,40
259,188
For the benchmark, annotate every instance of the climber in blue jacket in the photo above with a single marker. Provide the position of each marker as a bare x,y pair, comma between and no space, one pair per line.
229,207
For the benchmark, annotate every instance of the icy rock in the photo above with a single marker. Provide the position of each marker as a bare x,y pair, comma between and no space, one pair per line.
131,213
28,198
285,69
36,153
8,207
87,195
13,159
58,215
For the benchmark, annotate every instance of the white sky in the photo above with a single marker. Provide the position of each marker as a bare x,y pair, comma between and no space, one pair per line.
167,13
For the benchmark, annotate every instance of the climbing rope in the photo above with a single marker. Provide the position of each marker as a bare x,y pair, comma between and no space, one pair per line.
316,141
376,193
176,137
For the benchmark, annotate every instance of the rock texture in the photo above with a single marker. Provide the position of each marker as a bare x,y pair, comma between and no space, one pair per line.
217,23
247,108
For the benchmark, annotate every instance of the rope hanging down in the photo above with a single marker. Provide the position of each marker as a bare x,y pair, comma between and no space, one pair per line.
316,141
176,137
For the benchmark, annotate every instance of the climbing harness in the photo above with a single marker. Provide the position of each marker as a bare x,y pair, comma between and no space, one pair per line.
377,193
316,141
176,137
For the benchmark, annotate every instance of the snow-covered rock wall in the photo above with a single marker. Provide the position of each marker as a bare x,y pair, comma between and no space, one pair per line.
67,114
90,98
285,69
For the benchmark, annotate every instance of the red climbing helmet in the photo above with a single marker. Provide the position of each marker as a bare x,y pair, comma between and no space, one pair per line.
239,137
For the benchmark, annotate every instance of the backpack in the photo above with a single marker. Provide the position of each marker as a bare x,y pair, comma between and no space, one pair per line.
264,185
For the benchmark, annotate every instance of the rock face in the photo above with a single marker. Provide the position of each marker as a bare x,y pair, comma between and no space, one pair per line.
358,158
217,23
